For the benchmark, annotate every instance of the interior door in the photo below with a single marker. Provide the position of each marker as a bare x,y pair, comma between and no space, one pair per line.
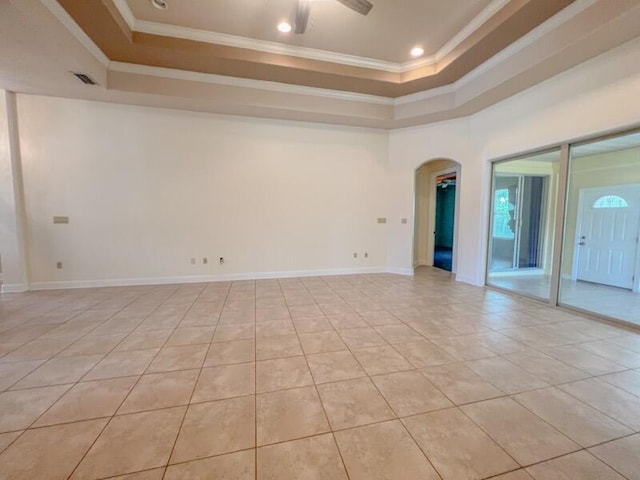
608,235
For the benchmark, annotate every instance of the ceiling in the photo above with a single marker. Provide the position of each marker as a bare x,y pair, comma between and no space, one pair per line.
387,33
471,30
505,49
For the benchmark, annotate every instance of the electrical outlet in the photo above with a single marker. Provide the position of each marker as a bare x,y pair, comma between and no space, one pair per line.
205,260
355,255
193,261
221,260
366,255
59,265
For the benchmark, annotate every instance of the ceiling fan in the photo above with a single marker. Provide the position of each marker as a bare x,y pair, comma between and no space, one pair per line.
363,7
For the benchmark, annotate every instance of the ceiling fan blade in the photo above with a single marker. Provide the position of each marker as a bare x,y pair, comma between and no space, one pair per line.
361,6
302,16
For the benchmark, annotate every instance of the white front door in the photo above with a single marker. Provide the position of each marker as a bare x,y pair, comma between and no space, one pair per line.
607,234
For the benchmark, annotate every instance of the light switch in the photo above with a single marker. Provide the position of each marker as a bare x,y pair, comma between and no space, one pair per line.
60,219
382,220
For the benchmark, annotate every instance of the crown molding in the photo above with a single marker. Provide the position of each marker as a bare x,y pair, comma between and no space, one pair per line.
63,17
247,83
186,33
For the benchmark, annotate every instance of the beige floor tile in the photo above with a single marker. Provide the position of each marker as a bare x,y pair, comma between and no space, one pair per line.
277,347
383,451
289,414
505,375
629,381
613,352
275,328
217,427
313,324
7,438
515,475
334,366
575,419
38,349
461,384
282,373
20,408
190,336
353,402
546,368
380,317
154,474
382,359
622,455
361,337
131,443
225,381
586,361
466,347
398,333
160,390
227,353
144,340
410,393
122,364
58,371
311,458
88,400
232,466
59,449
92,345
457,448
519,432
424,354
610,400
576,466
179,358
243,331
346,321
10,373
321,342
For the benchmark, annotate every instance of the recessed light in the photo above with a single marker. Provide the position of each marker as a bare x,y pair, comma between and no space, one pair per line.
284,27
417,51
160,4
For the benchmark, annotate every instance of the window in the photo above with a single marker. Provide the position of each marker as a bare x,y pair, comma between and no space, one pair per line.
502,215
610,201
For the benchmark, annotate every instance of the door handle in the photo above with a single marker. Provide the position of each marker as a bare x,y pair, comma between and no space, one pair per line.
581,243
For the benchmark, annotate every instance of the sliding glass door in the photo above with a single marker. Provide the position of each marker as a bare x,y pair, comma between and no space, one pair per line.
600,254
565,226
524,199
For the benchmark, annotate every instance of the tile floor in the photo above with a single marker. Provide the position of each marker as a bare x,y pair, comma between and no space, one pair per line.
356,377
592,297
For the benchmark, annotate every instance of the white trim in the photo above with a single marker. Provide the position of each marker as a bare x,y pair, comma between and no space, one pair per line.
63,17
246,83
14,288
125,11
217,38
400,271
469,280
123,282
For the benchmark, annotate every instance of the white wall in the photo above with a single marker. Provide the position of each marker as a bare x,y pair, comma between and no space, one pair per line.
598,96
148,189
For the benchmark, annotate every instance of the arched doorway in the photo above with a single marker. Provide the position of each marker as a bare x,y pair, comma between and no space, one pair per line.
436,209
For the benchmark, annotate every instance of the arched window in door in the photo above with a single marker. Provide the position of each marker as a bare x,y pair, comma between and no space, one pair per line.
610,201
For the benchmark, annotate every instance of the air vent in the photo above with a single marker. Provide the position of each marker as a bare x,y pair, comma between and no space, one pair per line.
84,78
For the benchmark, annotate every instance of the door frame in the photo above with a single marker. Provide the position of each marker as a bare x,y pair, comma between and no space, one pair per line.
431,219
635,288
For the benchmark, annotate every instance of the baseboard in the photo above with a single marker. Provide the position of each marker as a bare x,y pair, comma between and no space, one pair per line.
400,270
470,280
14,288
124,282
